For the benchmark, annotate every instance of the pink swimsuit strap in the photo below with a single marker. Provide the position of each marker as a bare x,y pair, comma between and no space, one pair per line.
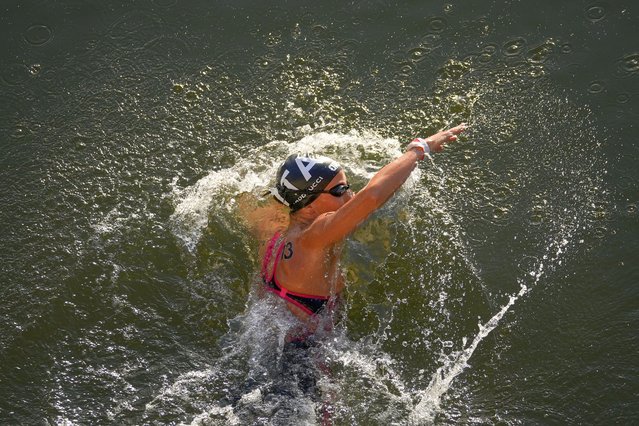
273,286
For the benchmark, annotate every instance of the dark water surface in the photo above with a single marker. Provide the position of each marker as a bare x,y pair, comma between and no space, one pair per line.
498,287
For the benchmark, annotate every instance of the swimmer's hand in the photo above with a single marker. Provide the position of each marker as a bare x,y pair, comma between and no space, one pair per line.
438,140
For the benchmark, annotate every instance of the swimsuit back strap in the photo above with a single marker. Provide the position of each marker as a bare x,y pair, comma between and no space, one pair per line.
268,257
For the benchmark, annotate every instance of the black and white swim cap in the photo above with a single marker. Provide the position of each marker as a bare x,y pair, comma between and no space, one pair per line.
298,177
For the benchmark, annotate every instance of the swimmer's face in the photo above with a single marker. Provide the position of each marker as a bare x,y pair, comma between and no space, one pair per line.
329,203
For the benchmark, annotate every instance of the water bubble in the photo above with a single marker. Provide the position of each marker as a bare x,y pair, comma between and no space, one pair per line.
596,87
514,47
436,25
595,13
37,35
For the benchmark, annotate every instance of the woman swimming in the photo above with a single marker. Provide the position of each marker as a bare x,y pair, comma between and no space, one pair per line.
301,260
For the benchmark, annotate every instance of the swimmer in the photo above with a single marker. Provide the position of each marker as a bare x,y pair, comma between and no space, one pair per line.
301,259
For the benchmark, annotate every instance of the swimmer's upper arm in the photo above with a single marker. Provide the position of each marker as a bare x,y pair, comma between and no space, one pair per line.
333,227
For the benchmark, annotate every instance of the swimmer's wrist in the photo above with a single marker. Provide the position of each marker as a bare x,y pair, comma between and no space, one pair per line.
420,146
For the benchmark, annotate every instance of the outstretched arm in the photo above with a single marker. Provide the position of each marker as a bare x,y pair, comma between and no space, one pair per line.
335,226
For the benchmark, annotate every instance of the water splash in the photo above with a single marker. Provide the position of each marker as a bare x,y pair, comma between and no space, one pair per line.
360,153
428,406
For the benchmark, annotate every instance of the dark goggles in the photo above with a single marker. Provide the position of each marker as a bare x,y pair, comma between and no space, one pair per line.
336,191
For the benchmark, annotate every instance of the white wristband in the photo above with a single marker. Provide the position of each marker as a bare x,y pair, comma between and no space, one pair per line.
420,144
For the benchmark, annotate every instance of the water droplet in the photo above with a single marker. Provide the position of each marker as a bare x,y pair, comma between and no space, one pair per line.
296,32
273,40
448,8
631,209
596,87
35,69
436,25
595,13
536,71
20,131
514,47
417,54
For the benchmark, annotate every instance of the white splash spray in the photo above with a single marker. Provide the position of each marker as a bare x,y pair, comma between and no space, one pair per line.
361,154
428,406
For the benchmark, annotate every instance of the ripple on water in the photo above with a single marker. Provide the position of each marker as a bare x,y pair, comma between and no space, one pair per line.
133,25
629,64
596,86
164,3
38,35
623,98
566,48
514,47
436,25
542,52
418,54
15,74
595,12
167,46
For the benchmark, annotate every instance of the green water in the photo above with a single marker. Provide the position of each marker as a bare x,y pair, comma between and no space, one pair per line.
498,287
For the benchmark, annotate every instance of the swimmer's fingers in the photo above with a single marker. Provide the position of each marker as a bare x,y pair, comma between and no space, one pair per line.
458,129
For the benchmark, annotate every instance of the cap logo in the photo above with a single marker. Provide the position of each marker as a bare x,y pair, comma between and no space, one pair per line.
305,168
285,181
